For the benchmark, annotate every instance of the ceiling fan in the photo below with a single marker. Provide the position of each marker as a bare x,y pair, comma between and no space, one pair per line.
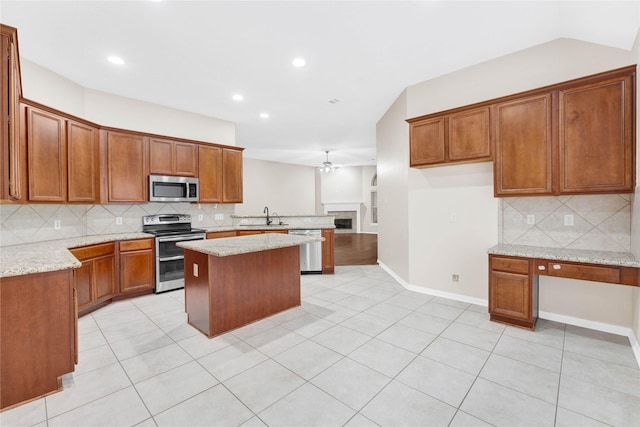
327,166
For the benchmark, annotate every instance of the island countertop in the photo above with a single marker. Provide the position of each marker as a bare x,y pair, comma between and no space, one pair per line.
246,244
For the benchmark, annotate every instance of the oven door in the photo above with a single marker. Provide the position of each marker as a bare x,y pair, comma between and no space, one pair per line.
170,261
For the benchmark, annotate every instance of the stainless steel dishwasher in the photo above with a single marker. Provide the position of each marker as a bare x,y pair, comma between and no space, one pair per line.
310,253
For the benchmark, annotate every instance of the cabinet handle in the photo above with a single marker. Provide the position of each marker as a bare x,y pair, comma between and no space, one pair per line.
541,267
557,266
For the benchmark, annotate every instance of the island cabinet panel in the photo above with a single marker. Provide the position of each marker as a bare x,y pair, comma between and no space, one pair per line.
126,156
83,163
523,146
231,175
596,148
136,265
37,338
220,234
210,173
95,281
513,291
225,293
328,250
168,157
47,156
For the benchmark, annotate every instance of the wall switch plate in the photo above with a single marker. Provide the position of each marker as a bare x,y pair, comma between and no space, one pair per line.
531,219
455,278
200,217
453,217
568,220
57,224
219,217
118,220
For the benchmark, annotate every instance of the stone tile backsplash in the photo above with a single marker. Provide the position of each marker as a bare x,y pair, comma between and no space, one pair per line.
35,222
600,222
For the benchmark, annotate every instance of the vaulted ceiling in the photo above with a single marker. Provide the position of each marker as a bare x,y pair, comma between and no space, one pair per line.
360,55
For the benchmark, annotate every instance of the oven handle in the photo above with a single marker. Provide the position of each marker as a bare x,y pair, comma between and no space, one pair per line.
171,258
181,238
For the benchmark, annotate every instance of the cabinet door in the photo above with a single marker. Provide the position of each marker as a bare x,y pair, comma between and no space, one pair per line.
136,271
597,137
524,146
47,158
328,250
210,173
186,159
469,136
427,142
127,174
231,176
160,157
5,134
104,277
83,170
82,282
510,295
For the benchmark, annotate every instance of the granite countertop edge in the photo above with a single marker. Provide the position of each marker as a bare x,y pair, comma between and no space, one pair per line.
619,259
246,244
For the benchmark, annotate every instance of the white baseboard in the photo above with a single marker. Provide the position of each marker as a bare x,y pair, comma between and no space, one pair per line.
569,320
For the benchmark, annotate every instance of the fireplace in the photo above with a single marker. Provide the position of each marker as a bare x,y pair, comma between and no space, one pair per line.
346,216
344,224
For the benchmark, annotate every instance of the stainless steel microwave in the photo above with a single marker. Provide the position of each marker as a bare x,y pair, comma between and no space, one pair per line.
173,189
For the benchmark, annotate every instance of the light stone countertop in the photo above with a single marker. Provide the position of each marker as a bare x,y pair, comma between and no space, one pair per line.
246,244
621,259
52,255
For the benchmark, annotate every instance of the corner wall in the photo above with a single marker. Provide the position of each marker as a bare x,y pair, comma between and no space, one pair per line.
635,213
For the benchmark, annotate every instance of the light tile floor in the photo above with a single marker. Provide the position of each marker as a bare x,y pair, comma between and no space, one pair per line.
360,351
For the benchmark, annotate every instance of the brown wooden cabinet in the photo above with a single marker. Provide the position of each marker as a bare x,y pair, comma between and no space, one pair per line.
513,291
220,234
10,91
210,173
459,136
95,281
231,175
37,338
126,158
168,157
328,250
136,258
83,166
596,150
523,146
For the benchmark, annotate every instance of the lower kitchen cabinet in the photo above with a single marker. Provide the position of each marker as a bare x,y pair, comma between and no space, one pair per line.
513,291
220,234
328,248
38,335
95,280
136,260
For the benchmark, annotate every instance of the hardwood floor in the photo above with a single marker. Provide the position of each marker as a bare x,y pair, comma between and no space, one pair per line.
356,249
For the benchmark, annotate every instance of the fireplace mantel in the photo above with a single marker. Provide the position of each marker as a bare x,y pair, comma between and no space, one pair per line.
345,207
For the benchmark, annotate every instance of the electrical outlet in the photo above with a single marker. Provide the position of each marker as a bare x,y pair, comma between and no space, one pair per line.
455,278
453,217
195,270
531,219
200,217
568,220
219,217
118,220
57,224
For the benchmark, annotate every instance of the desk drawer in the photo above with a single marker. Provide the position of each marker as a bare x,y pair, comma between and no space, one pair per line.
136,245
509,264
595,273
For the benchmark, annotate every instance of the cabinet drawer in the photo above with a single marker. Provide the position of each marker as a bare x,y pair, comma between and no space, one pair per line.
513,265
93,251
594,273
220,234
136,245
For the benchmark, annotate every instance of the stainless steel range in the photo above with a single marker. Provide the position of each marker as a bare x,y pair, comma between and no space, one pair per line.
170,229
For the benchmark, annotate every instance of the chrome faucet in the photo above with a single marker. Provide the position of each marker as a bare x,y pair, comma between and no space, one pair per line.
266,210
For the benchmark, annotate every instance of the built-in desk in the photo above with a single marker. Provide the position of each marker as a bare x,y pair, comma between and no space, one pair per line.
514,271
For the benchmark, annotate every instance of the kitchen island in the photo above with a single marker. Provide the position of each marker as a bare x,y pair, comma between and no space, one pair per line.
231,282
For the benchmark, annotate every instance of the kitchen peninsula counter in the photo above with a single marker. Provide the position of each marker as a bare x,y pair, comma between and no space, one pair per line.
231,282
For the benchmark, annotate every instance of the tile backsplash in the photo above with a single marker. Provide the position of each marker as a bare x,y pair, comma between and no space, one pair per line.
35,222
600,222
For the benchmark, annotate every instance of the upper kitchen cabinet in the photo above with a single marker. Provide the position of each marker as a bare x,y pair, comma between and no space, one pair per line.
10,155
523,146
220,174
596,140
456,136
62,157
168,157
126,165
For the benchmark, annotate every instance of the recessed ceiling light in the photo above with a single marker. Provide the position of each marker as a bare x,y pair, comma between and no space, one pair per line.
115,60
264,115
299,62
237,97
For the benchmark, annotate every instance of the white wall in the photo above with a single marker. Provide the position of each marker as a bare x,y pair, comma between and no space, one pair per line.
366,225
635,209
436,247
46,87
286,189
